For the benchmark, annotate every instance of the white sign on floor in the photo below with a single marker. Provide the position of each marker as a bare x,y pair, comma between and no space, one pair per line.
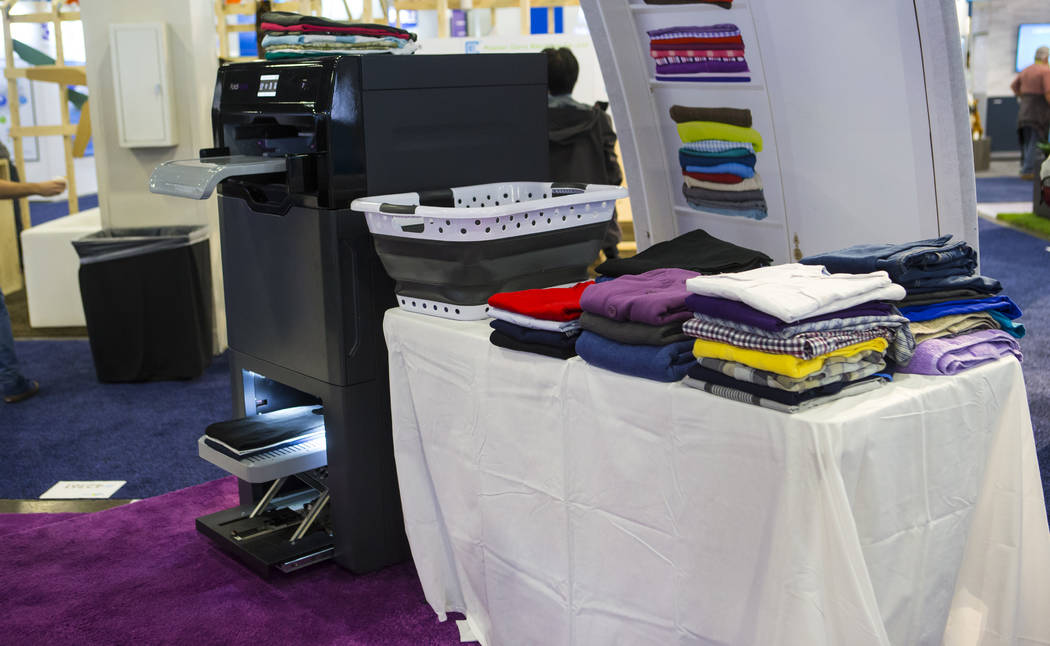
81,489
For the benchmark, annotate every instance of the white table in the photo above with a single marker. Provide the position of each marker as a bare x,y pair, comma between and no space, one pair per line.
52,269
557,503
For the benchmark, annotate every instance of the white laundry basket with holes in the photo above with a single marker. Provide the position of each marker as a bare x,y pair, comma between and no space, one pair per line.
449,250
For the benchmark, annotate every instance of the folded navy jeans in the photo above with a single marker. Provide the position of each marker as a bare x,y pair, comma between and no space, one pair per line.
905,263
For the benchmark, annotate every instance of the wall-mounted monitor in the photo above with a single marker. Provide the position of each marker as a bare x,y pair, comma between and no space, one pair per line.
1030,37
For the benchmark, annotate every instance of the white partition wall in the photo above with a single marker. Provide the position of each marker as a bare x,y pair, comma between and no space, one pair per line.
860,105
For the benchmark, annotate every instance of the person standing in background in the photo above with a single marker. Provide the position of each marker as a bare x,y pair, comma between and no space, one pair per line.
13,384
1032,88
582,144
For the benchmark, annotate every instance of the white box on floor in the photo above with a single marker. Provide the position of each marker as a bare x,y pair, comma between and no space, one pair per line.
51,266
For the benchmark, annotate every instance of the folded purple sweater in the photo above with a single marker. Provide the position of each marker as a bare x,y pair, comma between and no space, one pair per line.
656,297
952,354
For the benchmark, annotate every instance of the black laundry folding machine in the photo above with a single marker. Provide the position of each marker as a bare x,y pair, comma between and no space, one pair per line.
295,142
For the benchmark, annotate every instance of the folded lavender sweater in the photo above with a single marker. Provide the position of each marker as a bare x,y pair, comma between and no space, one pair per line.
952,354
655,297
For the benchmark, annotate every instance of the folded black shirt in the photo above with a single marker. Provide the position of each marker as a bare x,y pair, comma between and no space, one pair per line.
524,334
696,251
247,436
502,340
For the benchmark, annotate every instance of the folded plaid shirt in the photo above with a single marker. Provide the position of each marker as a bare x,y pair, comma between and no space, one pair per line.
687,32
902,342
835,370
805,345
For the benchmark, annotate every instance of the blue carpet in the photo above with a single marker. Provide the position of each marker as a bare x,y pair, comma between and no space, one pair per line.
41,212
1022,264
1003,189
80,429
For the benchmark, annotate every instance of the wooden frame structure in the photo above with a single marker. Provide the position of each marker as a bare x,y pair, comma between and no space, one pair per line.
224,9
74,137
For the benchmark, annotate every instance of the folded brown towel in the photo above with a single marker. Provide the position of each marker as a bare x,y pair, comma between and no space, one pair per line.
733,116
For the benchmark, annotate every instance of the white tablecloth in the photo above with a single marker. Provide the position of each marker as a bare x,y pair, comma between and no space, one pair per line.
557,503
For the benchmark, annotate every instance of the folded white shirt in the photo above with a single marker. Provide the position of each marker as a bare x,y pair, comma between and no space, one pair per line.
534,323
794,291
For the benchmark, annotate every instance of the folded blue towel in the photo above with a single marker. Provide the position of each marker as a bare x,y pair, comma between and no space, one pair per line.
668,362
732,168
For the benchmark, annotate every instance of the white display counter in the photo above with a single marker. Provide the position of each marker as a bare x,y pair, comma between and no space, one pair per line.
557,503
52,266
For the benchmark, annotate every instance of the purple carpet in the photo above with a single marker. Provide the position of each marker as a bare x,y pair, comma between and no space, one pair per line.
10,523
141,574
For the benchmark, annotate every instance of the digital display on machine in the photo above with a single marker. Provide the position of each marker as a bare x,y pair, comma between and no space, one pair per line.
268,85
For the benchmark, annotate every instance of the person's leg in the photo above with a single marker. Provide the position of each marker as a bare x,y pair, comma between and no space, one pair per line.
1030,157
12,383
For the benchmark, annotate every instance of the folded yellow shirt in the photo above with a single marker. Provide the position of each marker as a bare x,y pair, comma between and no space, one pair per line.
698,130
782,364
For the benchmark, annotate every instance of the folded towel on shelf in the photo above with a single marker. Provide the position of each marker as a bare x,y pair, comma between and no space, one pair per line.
932,258
696,130
1001,304
709,146
667,363
835,370
733,116
749,184
741,77
740,170
952,354
707,194
721,30
718,178
672,42
533,322
782,364
746,397
718,203
681,65
508,342
655,297
753,213
695,250
793,292
695,52
551,303
631,332
688,157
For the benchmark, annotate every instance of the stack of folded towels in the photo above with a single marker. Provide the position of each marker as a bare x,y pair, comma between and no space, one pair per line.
292,35
540,321
791,337
696,250
718,161
712,53
956,316
633,325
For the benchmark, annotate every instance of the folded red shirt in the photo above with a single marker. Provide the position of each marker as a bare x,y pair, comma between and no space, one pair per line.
549,304
721,178
672,43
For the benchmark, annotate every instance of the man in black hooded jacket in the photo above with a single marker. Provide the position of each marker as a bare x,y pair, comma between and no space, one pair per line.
581,137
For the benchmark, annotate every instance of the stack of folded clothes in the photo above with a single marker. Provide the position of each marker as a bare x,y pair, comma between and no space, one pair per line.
255,434
633,325
725,4
292,35
956,317
712,53
695,250
791,337
718,161
540,321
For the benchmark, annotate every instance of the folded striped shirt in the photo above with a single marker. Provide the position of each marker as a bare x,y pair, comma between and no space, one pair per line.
835,370
749,398
719,145
673,60
806,345
709,31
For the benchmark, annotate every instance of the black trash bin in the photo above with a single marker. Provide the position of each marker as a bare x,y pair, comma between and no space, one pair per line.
147,301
